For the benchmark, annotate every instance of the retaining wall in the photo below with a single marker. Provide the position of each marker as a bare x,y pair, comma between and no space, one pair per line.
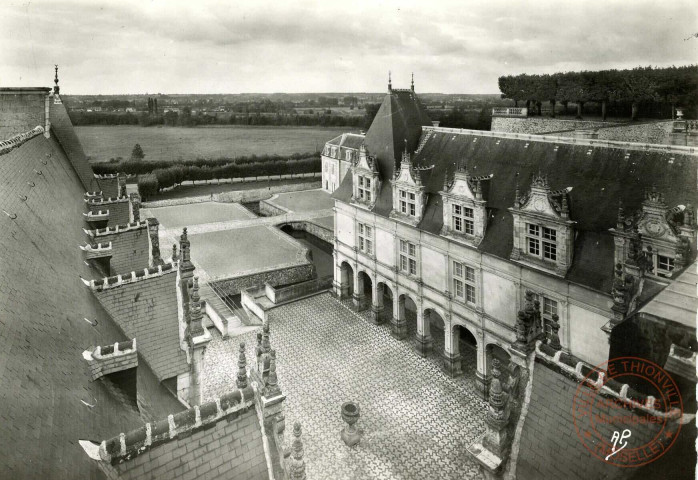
282,276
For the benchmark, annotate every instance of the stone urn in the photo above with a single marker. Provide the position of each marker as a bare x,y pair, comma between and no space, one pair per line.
350,414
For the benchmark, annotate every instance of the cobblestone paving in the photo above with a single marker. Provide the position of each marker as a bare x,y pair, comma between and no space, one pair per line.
417,421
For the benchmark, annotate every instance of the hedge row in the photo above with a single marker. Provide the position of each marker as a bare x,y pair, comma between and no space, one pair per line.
140,167
160,178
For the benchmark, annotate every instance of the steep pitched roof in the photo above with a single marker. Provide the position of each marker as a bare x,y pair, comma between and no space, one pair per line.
145,307
400,118
678,302
48,401
62,127
601,176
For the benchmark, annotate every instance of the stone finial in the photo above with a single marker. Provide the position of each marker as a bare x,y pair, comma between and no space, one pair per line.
390,82
297,465
56,88
242,368
620,221
478,190
272,384
498,398
554,338
521,328
517,195
174,252
635,250
565,210
265,350
688,216
446,182
195,310
412,83
259,346
185,266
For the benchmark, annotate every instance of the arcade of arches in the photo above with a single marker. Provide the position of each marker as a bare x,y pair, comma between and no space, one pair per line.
432,331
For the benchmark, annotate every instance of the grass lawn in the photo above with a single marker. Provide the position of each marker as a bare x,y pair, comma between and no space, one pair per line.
199,213
177,143
304,201
230,253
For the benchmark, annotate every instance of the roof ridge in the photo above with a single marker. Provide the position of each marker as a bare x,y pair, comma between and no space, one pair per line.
107,283
569,140
126,446
19,139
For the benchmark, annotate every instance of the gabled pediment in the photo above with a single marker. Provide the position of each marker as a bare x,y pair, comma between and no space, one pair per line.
542,201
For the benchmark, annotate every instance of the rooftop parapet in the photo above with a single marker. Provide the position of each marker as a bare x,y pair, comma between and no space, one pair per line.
113,175
99,232
98,216
127,446
108,359
97,250
104,201
118,280
510,112
567,140
93,195
17,140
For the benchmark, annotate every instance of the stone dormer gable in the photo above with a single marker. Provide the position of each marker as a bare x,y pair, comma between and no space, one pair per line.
657,239
464,207
543,232
366,180
409,193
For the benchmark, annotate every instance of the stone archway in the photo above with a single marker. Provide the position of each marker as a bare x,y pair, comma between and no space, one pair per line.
363,291
459,341
404,316
382,302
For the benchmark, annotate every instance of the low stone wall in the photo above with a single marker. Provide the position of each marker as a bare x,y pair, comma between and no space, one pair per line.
268,209
237,196
653,132
283,294
282,276
539,125
323,233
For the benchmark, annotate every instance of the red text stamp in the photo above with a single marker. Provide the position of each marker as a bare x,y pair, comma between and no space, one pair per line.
626,411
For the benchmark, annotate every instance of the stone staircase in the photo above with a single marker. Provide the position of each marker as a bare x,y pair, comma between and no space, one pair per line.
228,317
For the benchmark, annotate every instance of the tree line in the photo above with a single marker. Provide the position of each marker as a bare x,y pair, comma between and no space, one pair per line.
647,87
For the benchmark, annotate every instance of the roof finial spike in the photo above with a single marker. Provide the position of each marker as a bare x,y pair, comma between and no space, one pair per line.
517,195
241,381
413,81
56,89
390,82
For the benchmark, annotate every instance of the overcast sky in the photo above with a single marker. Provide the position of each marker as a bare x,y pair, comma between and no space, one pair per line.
330,46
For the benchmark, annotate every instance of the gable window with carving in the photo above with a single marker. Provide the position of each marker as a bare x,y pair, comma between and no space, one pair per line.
366,180
409,196
543,232
657,240
465,212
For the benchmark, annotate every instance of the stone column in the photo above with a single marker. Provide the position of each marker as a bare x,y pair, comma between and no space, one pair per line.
399,322
424,340
481,380
359,297
153,227
451,354
377,304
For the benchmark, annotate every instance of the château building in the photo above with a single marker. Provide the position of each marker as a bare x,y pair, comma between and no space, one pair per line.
457,230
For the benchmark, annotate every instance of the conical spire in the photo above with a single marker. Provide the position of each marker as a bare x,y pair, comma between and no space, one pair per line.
272,389
390,82
412,81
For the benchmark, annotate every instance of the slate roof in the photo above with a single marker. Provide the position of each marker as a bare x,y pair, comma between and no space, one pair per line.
601,176
678,302
48,402
348,140
147,310
62,127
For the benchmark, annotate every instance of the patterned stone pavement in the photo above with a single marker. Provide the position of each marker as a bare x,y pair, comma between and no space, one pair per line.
417,421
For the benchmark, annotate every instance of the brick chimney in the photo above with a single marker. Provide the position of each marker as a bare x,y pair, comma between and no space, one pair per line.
22,109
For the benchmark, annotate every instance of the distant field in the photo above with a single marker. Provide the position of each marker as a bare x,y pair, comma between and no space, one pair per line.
175,143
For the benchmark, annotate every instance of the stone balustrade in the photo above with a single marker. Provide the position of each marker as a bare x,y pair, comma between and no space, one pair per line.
510,112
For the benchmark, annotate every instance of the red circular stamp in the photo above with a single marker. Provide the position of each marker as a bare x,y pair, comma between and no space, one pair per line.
627,411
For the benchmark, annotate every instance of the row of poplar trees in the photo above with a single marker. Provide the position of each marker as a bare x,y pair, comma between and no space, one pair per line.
675,86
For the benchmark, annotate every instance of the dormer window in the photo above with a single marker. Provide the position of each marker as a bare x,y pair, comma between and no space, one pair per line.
408,204
365,189
543,233
366,180
347,155
409,197
465,213
657,239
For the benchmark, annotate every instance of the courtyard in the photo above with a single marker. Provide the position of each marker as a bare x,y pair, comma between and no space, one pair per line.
417,421
178,216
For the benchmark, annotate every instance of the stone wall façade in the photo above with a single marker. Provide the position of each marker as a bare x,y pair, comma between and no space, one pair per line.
538,125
